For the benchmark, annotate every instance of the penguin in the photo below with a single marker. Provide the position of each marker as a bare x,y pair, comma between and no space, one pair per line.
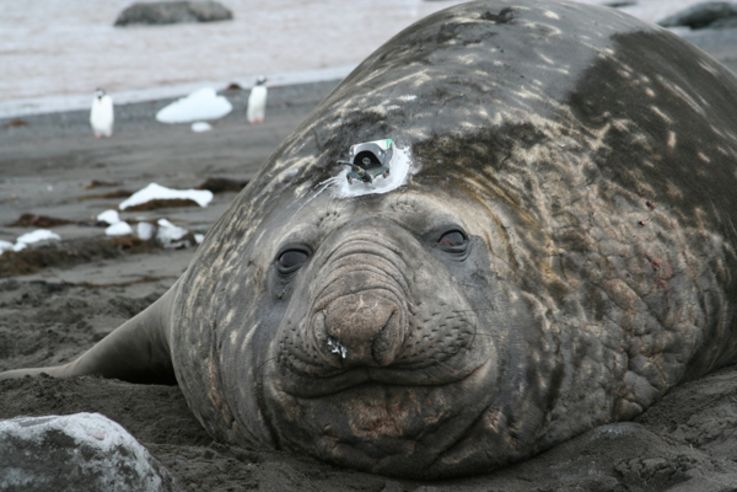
101,114
257,102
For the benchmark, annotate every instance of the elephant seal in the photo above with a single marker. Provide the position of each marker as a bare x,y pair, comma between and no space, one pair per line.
557,252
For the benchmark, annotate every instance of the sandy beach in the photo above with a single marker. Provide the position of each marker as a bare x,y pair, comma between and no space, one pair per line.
59,299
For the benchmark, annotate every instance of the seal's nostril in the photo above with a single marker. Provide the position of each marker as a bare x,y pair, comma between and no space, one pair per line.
386,343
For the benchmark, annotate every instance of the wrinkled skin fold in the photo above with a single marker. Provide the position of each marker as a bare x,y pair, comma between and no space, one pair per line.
563,252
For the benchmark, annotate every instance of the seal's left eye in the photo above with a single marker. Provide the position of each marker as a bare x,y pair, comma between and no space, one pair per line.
454,241
291,259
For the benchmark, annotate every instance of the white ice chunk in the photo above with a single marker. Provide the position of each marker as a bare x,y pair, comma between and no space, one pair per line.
145,230
201,126
109,217
157,192
119,229
38,235
168,232
203,104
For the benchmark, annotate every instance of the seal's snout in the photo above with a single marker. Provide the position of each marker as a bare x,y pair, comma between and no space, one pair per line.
362,329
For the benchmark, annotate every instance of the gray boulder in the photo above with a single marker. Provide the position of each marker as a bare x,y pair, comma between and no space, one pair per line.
620,4
81,452
719,43
701,15
725,23
157,13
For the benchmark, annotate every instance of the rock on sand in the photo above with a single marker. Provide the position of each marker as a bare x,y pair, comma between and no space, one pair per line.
83,451
157,13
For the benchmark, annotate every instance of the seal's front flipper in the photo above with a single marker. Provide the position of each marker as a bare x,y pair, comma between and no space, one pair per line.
137,351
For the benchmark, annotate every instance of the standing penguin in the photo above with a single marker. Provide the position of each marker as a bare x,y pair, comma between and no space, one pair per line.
101,114
257,102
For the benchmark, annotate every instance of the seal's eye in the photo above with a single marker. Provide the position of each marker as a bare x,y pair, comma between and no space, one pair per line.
454,241
291,259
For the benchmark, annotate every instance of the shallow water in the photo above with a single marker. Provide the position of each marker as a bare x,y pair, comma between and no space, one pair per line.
52,50
54,53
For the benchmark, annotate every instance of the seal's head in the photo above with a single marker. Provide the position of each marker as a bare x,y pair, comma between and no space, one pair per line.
383,331
380,360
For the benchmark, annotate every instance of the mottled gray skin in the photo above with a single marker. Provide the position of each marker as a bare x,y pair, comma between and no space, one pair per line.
590,161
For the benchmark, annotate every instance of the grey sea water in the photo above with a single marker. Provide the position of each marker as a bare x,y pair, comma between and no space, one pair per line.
54,53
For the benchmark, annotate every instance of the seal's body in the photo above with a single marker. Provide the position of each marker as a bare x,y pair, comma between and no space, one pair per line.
560,254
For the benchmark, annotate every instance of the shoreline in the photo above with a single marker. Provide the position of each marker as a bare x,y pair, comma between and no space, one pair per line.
22,108
280,95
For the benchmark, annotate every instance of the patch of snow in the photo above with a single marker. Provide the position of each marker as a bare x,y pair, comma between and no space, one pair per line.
37,236
121,228
5,246
199,238
109,217
203,104
168,234
157,192
145,230
201,126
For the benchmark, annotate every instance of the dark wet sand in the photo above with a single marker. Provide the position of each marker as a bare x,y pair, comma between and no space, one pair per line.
689,439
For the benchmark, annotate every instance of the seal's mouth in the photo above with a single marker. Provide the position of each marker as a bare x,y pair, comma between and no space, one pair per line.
381,419
301,384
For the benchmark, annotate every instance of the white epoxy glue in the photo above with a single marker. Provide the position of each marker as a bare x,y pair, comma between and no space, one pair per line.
374,167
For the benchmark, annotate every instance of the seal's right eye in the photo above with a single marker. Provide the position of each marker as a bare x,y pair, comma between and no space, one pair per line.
290,260
453,241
